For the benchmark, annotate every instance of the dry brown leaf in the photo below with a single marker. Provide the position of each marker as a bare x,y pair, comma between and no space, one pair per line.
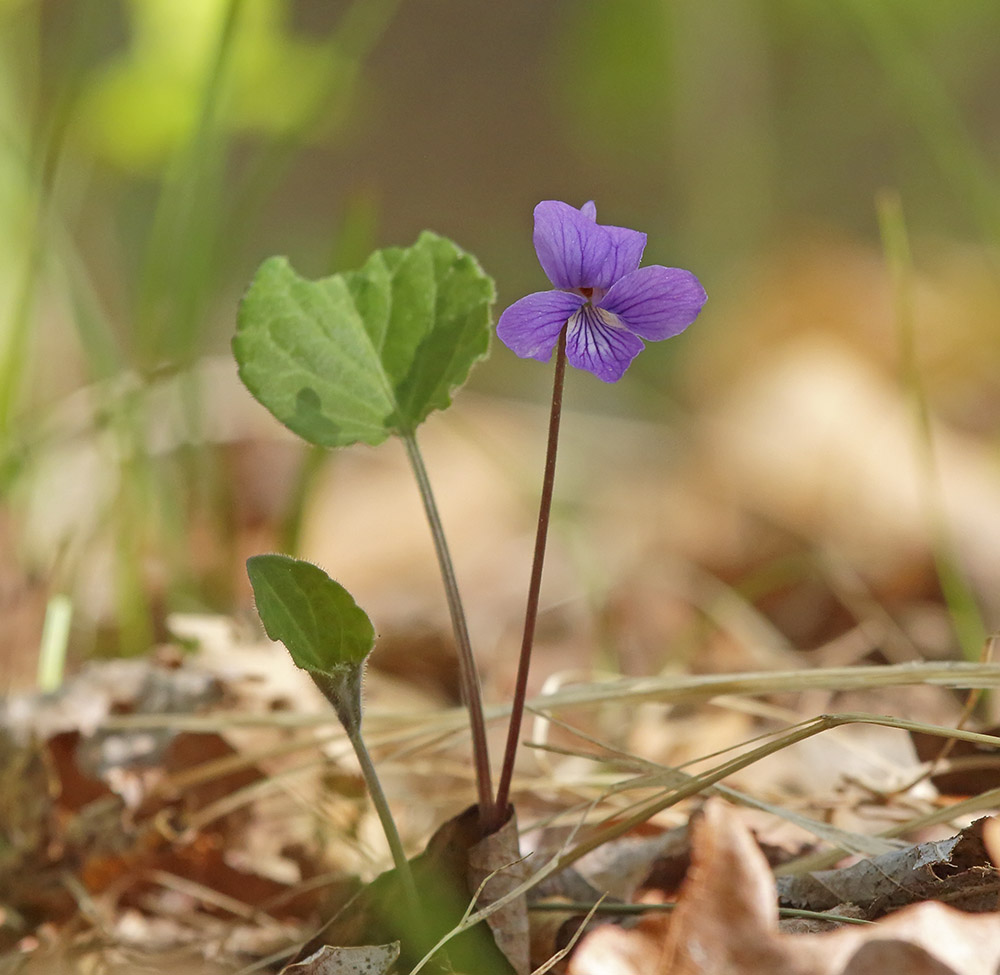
961,768
611,950
726,921
727,905
957,870
366,960
496,861
440,873
991,838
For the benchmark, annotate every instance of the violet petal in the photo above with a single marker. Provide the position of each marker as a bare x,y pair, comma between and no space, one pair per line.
596,343
626,252
571,247
656,302
530,327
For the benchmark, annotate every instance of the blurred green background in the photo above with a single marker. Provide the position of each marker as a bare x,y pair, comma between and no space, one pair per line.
153,152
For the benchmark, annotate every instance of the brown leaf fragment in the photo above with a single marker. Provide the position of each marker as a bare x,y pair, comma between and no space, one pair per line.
727,904
643,858
924,939
878,957
646,857
991,842
377,915
726,924
74,786
957,870
498,858
548,930
363,960
189,752
621,867
962,768
725,911
611,950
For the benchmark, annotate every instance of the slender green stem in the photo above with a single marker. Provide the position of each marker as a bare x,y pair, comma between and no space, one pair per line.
534,586
638,910
385,818
341,686
468,674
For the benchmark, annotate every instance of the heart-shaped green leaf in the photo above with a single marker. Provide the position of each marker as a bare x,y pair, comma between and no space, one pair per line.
358,356
316,618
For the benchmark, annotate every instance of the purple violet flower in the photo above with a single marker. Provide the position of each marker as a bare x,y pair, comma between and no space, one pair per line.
607,303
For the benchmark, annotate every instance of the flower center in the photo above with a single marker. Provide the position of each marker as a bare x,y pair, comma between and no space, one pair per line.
587,292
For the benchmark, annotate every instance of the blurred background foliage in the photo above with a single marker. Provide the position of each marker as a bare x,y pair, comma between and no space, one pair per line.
153,152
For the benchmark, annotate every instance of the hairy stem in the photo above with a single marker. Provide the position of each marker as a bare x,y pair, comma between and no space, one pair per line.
385,818
341,686
535,585
468,674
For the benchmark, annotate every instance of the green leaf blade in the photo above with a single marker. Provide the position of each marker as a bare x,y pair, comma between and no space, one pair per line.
462,301
303,352
315,617
359,356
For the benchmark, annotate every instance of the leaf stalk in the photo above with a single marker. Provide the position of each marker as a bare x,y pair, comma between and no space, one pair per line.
468,673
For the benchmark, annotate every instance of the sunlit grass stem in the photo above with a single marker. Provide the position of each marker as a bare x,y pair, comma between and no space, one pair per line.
468,673
967,619
41,169
54,642
184,246
933,110
535,584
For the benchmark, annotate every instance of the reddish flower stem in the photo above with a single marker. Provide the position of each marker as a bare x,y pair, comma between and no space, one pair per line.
534,586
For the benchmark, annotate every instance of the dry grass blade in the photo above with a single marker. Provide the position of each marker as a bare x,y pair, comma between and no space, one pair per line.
669,689
653,775
699,784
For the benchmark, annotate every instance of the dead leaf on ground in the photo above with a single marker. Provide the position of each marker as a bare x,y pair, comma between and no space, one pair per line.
727,921
114,810
957,870
366,960
495,862
441,874
961,768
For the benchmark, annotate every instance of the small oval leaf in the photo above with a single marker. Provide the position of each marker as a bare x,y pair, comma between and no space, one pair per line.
316,618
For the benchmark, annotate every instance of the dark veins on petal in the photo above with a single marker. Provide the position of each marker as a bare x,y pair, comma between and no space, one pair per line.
599,342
